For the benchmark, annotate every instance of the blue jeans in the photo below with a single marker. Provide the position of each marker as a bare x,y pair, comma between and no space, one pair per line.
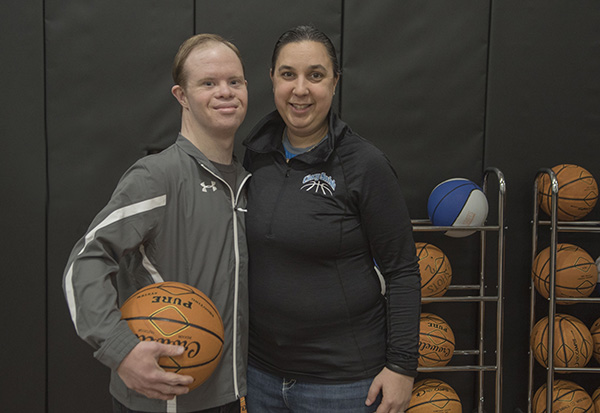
268,393
233,407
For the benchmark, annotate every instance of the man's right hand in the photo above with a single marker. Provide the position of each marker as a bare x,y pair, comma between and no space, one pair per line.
140,371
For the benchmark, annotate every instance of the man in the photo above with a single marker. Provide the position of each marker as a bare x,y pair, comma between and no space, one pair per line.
174,216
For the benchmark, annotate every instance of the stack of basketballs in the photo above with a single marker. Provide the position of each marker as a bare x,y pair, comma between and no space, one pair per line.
459,204
462,207
436,338
576,276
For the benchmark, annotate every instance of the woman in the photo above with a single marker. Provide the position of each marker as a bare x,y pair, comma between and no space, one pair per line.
323,204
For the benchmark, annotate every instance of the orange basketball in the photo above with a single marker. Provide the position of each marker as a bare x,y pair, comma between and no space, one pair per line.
572,342
436,272
436,341
576,272
596,399
567,396
432,395
577,192
178,314
595,331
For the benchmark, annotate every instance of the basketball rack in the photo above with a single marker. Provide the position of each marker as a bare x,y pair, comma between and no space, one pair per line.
477,293
554,227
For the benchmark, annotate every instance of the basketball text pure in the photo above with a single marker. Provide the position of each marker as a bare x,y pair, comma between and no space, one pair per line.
171,300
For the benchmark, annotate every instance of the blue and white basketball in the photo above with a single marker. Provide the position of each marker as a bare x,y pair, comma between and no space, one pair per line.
457,202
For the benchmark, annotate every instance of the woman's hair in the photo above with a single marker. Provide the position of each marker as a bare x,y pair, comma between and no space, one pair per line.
199,40
302,34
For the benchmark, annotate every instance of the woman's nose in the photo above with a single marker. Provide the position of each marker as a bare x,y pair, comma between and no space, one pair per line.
301,86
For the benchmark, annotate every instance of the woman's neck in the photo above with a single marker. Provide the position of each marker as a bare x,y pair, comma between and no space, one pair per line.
305,141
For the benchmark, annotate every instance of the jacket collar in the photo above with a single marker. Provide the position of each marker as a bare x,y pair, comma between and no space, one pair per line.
267,137
190,149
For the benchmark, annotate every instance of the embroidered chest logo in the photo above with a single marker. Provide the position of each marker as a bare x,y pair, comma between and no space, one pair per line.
205,188
319,182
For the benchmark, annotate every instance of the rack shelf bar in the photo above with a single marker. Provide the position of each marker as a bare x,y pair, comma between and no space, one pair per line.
425,225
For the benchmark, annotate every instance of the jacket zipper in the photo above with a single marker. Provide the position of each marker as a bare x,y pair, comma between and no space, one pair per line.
277,203
236,249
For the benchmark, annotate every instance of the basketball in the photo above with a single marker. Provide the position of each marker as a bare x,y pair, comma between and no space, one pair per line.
595,332
573,344
596,399
576,272
436,272
178,314
597,289
432,395
567,396
457,202
436,341
577,192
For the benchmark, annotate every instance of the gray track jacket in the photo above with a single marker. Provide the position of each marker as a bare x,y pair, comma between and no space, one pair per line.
171,218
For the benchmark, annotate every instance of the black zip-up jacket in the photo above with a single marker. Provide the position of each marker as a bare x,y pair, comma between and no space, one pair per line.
315,224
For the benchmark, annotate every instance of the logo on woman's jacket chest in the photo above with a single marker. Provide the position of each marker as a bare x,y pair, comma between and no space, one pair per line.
319,182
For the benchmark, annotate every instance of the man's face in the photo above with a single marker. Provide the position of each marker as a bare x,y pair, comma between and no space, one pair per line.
215,93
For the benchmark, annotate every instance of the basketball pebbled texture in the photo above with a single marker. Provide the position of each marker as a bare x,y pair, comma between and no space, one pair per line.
178,314
595,332
457,202
433,395
576,272
436,341
567,396
577,192
596,399
573,345
435,269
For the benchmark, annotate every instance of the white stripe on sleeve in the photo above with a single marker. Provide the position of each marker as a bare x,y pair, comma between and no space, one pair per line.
115,216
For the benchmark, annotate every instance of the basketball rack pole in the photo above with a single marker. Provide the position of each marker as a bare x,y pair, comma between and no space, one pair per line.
500,279
424,225
555,227
534,239
552,281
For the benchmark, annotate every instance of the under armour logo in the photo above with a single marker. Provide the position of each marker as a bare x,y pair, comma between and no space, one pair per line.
205,188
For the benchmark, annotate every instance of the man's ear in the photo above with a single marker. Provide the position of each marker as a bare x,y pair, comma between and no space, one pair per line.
179,94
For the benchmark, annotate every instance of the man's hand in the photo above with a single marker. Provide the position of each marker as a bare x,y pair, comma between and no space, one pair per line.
396,390
140,371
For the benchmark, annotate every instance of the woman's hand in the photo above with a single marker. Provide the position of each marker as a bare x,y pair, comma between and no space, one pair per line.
396,390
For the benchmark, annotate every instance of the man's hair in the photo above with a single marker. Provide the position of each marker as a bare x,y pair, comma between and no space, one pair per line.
194,42
306,34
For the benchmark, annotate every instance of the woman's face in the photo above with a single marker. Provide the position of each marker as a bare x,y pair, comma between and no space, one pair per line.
303,86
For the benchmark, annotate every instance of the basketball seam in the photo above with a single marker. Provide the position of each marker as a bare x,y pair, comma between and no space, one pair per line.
192,366
176,322
446,195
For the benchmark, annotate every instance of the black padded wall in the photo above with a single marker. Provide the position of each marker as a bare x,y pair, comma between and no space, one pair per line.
109,102
445,90
23,218
254,28
542,110
108,71
414,84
